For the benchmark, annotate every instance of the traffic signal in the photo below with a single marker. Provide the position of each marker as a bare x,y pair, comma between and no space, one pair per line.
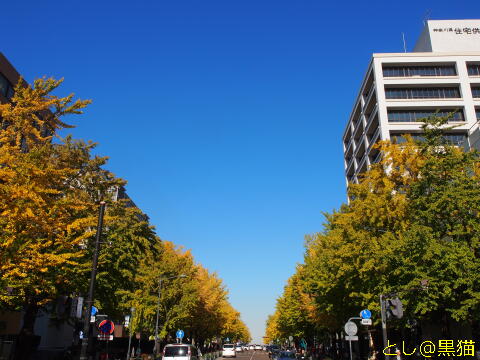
395,308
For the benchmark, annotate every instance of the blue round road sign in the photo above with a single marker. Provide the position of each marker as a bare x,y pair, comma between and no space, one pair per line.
94,311
366,314
180,334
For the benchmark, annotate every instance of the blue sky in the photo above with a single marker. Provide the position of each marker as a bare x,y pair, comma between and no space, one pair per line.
225,116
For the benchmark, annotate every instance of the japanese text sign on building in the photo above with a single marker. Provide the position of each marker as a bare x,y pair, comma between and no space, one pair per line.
458,31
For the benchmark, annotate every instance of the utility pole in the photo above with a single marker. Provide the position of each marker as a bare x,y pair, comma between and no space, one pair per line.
93,275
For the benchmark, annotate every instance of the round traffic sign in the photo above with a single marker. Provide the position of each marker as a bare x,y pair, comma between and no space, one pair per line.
351,328
290,338
365,314
106,327
180,334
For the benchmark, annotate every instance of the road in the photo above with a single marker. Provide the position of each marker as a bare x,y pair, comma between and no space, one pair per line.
250,355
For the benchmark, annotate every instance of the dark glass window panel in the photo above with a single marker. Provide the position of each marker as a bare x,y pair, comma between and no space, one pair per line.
10,92
474,70
454,139
476,92
4,85
406,71
418,115
478,114
422,93
448,71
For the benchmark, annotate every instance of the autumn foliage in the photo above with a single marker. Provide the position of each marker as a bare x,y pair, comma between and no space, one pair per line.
414,218
50,188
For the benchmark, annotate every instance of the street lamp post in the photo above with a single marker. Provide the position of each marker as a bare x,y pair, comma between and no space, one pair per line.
160,279
93,275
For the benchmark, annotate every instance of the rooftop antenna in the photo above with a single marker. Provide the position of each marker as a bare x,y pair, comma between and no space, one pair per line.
404,43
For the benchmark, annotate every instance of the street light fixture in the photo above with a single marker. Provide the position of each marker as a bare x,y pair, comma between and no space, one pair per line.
93,275
160,279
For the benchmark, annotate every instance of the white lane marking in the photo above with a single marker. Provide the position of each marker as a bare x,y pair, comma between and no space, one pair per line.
253,354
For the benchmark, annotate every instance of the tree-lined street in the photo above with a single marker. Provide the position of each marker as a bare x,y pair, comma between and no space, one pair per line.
51,189
206,180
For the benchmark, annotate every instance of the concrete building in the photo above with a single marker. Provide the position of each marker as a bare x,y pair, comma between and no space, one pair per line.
442,75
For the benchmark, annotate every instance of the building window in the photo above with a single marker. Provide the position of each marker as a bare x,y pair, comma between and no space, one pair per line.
474,69
478,113
422,93
453,139
6,89
476,92
407,71
418,115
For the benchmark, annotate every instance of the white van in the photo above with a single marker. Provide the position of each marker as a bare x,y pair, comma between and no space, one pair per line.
180,352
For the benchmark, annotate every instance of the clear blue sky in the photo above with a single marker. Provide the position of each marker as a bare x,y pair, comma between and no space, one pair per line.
225,116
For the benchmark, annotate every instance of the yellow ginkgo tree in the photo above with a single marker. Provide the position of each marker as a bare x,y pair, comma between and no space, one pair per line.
49,191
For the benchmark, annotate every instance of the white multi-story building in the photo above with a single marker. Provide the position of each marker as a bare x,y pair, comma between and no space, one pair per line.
442,75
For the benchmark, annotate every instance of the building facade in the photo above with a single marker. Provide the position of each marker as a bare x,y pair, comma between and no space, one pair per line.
8,79
441,76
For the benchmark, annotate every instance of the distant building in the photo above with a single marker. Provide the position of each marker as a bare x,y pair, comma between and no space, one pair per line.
8,79
442,75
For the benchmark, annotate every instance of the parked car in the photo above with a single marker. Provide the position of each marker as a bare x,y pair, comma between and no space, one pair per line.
251,347
286,355
274,352
229,351
258,347
180,352
238,348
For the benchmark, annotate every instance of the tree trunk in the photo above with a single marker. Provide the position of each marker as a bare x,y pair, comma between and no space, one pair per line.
26,339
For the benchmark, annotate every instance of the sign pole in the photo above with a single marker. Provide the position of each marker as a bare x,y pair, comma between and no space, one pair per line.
132,311
350,346
93,275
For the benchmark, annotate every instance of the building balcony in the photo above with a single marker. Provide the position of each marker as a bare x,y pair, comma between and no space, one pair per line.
376,158
360,147
374,138
351,179
370,118
358,130
349,145
370,94
350,166
362,164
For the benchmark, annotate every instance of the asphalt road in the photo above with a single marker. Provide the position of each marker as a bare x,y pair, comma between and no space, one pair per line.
250,355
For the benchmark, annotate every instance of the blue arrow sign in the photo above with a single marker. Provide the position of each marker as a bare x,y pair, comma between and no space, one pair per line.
180,334
94,311
366,314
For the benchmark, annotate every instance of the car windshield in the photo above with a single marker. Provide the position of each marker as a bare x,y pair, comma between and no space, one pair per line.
228,346
176,351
